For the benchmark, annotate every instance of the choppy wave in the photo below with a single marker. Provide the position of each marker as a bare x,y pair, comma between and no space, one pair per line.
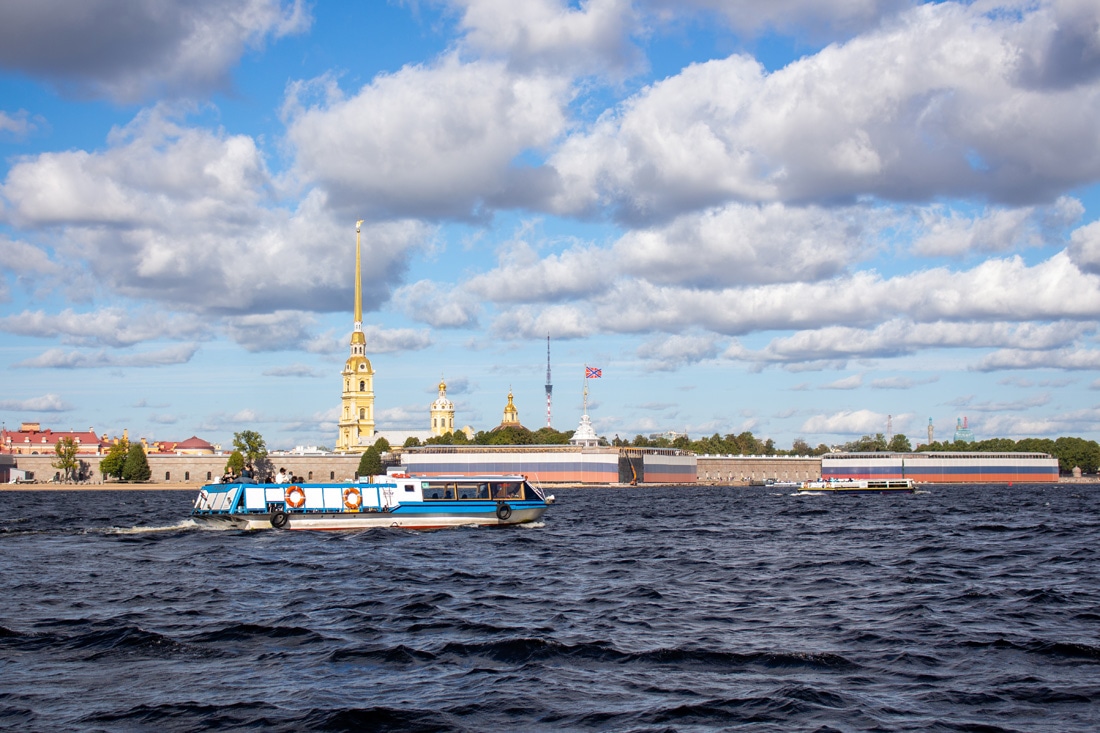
966,609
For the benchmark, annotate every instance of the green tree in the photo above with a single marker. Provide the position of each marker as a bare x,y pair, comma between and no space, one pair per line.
112,463
412,441
801,448
65,449
370,464
235,464
136,467
251,445
382,445
1076,453
900,444
867,444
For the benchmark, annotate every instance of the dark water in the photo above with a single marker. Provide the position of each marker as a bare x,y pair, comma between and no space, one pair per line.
967,608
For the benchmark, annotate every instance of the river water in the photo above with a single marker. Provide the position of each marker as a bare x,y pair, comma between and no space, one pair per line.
964,608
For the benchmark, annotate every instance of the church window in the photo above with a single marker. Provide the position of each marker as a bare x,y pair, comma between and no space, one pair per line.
362,386
362,414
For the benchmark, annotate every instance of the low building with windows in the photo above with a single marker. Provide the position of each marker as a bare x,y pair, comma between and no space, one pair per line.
32,440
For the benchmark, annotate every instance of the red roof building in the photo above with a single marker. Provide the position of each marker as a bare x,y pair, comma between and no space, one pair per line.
32,440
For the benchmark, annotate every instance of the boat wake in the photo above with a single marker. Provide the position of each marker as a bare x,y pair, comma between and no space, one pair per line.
185,524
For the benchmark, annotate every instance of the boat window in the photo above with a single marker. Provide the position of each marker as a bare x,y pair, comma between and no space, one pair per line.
436,490
506,490
472,490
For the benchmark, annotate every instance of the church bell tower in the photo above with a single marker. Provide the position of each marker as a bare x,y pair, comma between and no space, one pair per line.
356,427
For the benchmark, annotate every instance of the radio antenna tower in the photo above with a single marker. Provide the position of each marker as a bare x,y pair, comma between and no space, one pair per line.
889,427
549,387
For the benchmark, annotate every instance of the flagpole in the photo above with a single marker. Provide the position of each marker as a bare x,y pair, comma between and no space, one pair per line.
585,389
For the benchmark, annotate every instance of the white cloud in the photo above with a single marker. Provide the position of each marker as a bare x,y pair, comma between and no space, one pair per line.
815,18
525,277
998,290
23,258
295,370
188,217
277,331
995,230
899,336
855,381
901,382
130,50
18,125
1084,249
391,340
61,359
106,327
46,403
673,352
560,321
428,141
1020,405
1069,358
852,422
547,35
438,304
929,105
748,244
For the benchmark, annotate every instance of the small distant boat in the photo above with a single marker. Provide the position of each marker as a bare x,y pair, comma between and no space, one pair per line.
859,486
398,500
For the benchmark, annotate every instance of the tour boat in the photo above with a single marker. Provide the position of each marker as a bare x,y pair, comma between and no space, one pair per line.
395,500
859,486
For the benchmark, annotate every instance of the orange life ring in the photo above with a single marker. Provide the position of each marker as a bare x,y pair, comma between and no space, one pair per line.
352,498
295,497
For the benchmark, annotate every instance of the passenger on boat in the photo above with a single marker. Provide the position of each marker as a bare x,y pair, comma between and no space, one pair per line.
282,476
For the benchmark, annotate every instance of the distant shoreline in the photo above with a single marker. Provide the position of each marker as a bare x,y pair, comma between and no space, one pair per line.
549,487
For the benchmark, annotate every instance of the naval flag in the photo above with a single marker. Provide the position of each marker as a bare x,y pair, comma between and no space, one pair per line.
592,373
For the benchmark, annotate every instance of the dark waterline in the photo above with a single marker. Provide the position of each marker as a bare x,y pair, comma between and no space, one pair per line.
967,608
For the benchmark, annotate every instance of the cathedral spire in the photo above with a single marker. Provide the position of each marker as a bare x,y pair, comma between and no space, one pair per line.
357,335
355,430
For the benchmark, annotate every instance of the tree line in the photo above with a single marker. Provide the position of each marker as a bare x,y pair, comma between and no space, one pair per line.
1071,452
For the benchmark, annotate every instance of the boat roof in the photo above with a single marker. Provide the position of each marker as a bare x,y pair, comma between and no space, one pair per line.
472,477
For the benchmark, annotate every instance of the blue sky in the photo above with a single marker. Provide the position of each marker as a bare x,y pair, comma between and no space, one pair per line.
796,218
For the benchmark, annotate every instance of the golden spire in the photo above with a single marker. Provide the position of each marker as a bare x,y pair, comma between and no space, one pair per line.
357,336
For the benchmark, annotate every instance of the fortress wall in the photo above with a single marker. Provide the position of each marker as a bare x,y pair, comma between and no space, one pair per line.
742,470
725,470
194,469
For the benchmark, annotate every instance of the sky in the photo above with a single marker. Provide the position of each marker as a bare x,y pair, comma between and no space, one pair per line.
810,219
